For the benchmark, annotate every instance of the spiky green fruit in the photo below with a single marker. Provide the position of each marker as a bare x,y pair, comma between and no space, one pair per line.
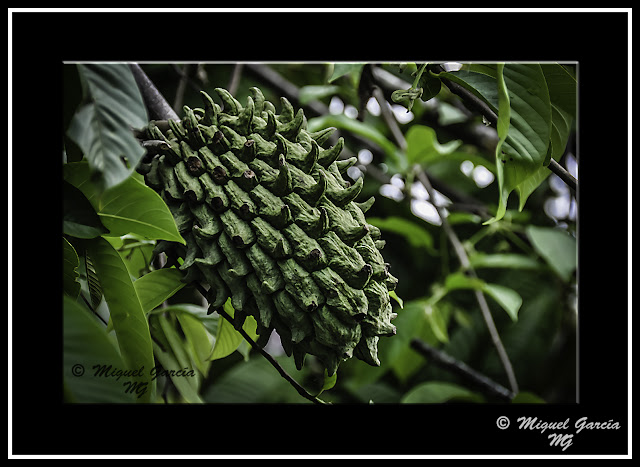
270,222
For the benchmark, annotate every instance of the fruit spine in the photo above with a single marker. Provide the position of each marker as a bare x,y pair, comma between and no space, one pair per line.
270,223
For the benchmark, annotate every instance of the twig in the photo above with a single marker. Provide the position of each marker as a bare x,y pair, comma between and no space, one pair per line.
232,87
466,266
389,118
481,107
182,86
302,391
460,368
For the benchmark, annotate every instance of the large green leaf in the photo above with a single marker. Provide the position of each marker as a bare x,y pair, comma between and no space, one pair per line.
79,218
560,128
70,275
524,148
562,87
157,286
130,207
557,247
86,348
256,381
102,129
127,315
341,69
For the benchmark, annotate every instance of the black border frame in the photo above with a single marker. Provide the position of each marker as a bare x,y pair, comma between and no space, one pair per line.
598,41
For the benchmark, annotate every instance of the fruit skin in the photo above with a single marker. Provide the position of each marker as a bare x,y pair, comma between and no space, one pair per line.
270,223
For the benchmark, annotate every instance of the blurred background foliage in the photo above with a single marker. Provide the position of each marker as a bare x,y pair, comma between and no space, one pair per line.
527,255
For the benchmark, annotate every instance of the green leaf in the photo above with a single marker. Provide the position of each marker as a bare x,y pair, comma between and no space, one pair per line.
416,235
423,146
341,69
507,298
70,275
93,282
504,118
439,392
329,381
557,247
157,286
430,86
209,321
200,342
562,87
135,252
170,364
359,128
315,92
255,382
560,129
250,326
102,129
396,353
181,353
522,89
79,218
86,344
458,280
227,338
438,322
130,207
129,321
526,146
502,260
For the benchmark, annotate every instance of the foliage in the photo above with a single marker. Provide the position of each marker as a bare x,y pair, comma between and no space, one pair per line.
121,308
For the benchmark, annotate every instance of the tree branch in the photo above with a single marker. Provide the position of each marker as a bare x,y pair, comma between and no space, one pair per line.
460,368
466,266
156,104
477,104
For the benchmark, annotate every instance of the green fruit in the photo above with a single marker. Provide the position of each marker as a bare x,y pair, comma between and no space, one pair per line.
270,223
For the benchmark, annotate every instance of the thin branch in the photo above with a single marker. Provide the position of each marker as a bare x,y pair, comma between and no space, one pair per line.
182,86
232,87
302,391
477,104
466,266
460,368
389,118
